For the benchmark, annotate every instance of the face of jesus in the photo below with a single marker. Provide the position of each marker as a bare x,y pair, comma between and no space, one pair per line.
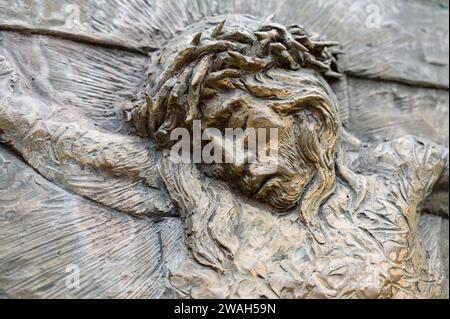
300,105
258,77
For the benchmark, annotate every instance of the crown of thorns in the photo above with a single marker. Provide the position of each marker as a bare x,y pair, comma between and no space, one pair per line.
216,61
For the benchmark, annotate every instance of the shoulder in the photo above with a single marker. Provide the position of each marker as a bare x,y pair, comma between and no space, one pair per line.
406,154
410,165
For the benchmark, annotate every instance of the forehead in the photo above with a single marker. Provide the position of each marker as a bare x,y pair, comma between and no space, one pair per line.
271,87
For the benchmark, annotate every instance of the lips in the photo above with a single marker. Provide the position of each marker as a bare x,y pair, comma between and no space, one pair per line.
255,176
279,191
263,183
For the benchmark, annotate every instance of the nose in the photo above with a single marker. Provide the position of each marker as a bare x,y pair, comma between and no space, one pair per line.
265,117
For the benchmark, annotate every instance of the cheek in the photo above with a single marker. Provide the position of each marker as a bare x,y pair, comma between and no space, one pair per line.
237,119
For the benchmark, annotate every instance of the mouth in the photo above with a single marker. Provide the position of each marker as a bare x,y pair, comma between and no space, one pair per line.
254,178
272,189
263,184
279,197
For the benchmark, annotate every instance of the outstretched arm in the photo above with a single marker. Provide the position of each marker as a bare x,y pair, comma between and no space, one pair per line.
116,170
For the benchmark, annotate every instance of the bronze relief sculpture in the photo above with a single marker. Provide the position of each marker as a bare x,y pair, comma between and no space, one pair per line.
336,218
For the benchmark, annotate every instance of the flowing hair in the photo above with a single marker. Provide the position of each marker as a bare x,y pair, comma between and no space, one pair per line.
210,59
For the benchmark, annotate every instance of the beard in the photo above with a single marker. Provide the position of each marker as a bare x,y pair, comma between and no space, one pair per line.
305,171
295,169
279,179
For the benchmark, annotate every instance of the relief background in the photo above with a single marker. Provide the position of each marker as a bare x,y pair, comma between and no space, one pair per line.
396,83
